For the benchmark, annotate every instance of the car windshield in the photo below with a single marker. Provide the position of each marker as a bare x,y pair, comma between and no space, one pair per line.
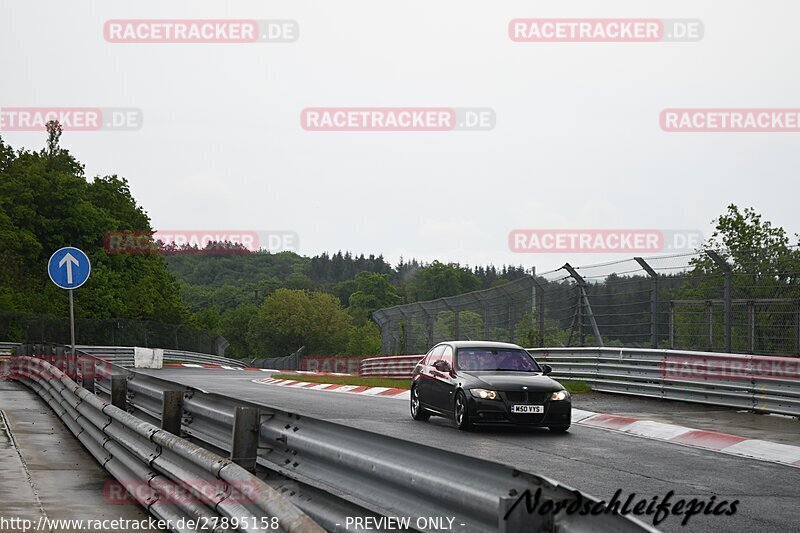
497,360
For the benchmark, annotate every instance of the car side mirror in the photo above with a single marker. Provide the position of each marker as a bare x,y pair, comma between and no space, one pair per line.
442,366
546,369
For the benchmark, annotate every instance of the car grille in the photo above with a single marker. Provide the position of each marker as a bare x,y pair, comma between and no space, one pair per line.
525,397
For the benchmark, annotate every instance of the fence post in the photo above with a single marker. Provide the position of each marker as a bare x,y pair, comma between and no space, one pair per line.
671,325
751,327
797,326
431,325
653,300
540,308
583,300
484,313
579,319
408,333
710,324
728,279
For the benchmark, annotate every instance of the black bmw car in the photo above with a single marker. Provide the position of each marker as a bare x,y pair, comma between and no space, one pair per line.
477,383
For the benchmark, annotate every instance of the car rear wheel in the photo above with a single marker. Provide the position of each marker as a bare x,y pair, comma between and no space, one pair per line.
417,411
460,415
558,429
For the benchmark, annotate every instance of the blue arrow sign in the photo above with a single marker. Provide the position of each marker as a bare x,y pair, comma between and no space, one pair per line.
69,267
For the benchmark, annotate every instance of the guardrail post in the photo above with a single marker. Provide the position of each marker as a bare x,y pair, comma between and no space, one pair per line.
653,300
172,411
89,374
119,391
244,438
728,280
78,370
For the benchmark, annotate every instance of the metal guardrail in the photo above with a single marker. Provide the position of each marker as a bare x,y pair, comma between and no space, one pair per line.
340,467
123,355
6,347
151,462
398,366
759,383
383,475
389,476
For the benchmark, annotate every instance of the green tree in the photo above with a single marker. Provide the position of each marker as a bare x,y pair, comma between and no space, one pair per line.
46,203
234,326
364,340
289,319
372,292
438,280
764,265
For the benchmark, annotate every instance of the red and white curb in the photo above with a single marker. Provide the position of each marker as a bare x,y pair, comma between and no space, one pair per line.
386,392
219,367
252,369
697,438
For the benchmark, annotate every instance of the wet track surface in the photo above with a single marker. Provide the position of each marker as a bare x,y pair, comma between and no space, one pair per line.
594,460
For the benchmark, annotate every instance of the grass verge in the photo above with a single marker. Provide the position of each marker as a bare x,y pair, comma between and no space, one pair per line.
576,387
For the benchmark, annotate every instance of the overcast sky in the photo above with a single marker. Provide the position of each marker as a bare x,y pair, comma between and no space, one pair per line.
577,142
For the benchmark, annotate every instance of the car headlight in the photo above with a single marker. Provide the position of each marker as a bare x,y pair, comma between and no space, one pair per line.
484,394
560,395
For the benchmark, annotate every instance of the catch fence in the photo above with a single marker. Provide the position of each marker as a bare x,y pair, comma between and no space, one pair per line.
746,301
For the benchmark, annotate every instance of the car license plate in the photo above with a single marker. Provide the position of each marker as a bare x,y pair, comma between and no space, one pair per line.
527,409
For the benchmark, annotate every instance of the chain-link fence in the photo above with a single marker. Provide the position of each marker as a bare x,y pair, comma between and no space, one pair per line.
27,328
747,301
504,312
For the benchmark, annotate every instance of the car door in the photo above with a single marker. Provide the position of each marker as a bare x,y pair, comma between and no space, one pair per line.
443,383
425,380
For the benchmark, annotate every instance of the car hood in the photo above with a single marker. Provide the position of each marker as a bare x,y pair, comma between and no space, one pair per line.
511,381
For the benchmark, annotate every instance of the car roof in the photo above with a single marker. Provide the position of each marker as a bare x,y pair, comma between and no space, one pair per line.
481,344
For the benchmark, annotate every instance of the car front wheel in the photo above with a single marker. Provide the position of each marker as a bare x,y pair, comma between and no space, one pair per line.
417,411
460,414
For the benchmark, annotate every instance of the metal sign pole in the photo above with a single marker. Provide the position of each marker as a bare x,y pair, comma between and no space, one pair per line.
72,322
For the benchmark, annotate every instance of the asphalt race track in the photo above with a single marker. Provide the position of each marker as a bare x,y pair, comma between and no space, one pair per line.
593,460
